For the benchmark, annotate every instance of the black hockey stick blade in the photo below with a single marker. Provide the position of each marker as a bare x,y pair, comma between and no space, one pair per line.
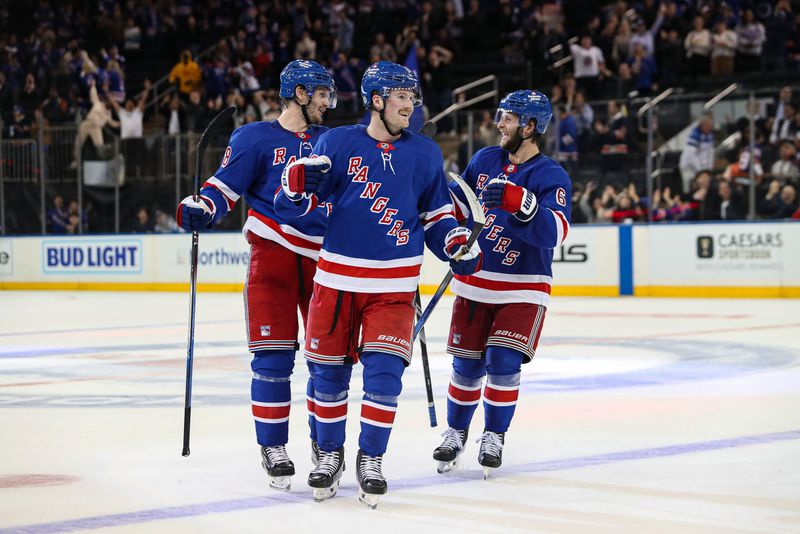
428,129
219,119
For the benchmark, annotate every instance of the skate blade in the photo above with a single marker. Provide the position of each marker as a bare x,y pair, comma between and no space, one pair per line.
446,467
486,471
281,483
323,494
370,499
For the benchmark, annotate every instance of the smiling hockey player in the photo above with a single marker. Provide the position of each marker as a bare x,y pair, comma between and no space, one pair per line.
283,253
390,198
499,311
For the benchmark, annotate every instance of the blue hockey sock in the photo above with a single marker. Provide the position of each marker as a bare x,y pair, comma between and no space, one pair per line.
310,402
271,395
331,383
382,386
502,387
464,392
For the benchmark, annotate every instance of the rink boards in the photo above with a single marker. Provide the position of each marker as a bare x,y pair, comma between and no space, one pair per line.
760,259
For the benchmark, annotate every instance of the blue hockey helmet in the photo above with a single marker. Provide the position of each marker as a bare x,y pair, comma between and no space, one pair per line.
309,75
527,105
385,76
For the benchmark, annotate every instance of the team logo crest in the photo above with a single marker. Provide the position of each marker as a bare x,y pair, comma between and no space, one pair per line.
511,168
266,330
456,339
302,135
314,343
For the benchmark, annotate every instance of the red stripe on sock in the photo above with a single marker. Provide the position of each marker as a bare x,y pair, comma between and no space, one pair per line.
462,394
500,395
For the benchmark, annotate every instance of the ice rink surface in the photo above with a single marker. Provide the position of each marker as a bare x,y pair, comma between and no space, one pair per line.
637,415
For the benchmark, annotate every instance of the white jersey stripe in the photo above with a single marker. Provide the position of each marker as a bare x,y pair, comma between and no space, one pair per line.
224,189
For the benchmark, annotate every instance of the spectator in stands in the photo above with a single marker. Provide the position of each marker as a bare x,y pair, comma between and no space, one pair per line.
628,207
187,74
20,126
614,139
172,109
698,47
92,126
698,154
729,205
195,114
777,110
584,118
56,109
6,98
30,97
76,222
670,57
567,153
646,37
57,216
741,167
779,202
142,224
380,49
643,68
345,32
487,130
779,28
306,47
785,169
785,128
750,38
723,50
696,203
619,48
131,117
165,224
589,66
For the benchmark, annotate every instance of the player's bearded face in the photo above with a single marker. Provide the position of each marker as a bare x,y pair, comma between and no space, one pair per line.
319,105
510,134
399,107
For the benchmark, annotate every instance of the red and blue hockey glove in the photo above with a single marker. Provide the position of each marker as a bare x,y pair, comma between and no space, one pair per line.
515,199
304,177
196,214
463,261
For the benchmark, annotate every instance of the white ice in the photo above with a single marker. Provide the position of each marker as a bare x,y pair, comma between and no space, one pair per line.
637,415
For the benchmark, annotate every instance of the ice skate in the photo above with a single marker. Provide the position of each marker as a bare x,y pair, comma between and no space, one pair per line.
370,478
449,452
278,466
491,453
315,453
324,478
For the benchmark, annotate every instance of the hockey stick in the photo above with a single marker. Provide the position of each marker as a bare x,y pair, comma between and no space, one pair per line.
478,222
222,117
428,130
426,370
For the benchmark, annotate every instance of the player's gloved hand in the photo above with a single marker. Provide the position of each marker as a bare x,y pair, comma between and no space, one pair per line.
463,261
515,199
196,214
304,177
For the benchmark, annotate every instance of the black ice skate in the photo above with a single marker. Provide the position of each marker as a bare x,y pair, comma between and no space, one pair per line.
449,452
315,453
370,478
491,453
278,466
324,478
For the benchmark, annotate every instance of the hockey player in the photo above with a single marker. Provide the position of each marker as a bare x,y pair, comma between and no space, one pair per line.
499,311
283,254
390,198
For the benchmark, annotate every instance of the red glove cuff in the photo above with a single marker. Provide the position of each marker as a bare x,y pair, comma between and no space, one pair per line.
297,178
512,198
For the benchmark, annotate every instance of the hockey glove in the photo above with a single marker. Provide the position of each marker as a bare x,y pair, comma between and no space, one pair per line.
515,199
462,261
304,177
196,214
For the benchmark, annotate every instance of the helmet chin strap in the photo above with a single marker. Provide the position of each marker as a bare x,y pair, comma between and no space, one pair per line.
304,109
386,124
518,143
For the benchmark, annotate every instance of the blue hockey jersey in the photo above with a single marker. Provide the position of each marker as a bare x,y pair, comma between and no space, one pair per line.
517,256
252,166
389,199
